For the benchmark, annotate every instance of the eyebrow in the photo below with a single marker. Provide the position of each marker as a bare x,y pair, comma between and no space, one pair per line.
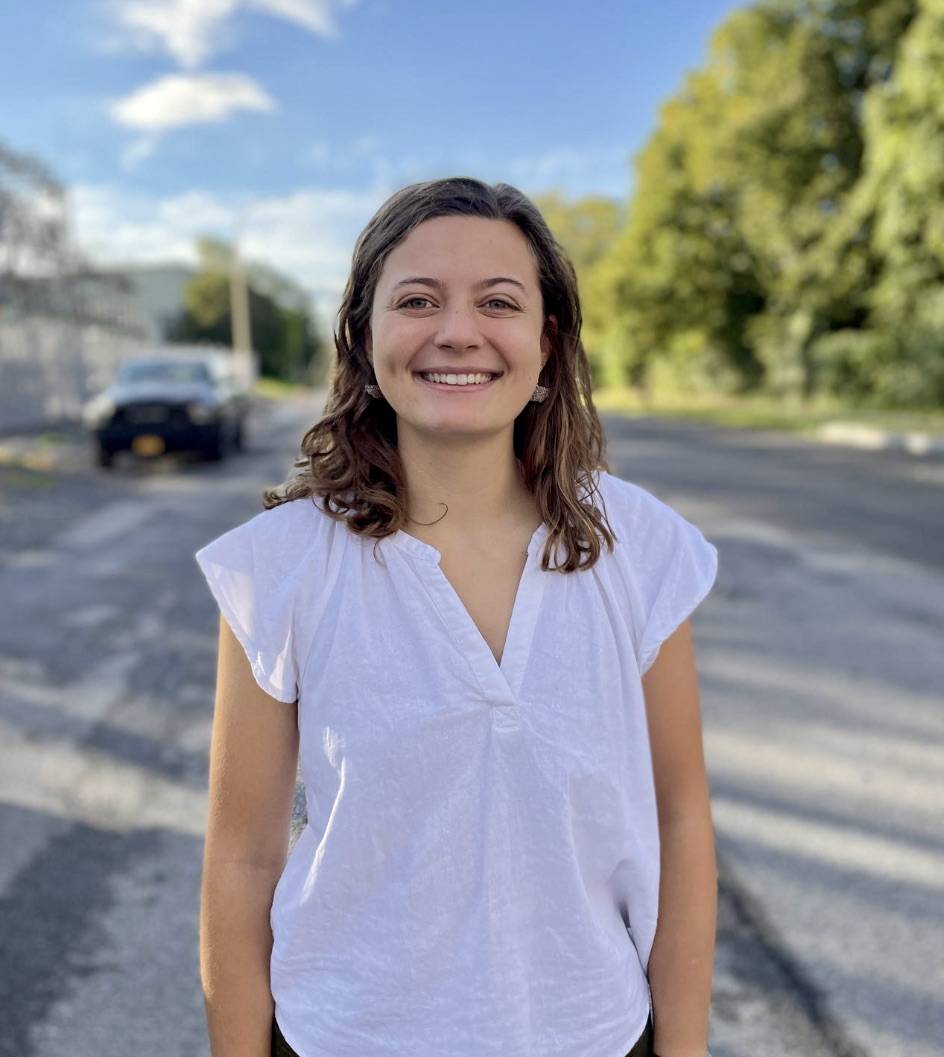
427,281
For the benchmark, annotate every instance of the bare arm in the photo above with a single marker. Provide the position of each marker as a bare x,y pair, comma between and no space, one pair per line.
682,957
253,761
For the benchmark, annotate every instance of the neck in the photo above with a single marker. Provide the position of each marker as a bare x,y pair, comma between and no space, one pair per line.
479,481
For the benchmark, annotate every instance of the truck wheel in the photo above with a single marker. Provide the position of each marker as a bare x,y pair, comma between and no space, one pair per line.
104,456
216,448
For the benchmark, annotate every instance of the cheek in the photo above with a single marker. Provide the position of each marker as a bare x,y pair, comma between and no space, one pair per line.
397,334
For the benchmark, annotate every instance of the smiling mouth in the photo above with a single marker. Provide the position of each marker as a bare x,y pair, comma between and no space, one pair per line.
457,386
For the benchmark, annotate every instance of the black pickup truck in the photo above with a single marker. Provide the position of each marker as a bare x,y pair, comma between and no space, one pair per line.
170,403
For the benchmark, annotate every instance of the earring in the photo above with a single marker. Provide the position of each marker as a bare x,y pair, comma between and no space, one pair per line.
372,390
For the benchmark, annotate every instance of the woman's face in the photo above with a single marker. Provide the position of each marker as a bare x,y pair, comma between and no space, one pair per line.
458,294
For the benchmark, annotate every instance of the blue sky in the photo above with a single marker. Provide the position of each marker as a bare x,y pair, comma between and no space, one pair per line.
290,121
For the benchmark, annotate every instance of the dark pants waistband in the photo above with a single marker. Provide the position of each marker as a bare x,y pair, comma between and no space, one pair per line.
641,1048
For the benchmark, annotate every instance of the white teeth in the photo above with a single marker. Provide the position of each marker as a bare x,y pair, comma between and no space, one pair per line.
458,379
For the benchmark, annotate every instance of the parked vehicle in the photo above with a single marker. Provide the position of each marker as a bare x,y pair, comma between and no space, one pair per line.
170,402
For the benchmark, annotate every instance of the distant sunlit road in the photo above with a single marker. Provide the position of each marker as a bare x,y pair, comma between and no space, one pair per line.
107,669
822,668
821,662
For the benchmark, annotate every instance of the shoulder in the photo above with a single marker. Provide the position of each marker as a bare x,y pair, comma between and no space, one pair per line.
296,518
634,506
273,541
653,538
664,560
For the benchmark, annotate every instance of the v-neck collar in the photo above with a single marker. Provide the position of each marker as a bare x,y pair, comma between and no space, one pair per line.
501,683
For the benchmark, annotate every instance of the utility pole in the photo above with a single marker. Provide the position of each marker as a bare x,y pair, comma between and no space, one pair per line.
239,304
239,315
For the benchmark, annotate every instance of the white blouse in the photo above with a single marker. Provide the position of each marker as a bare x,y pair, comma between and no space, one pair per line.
479,872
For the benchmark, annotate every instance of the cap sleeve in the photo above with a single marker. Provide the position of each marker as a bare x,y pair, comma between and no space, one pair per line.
679,570
248,571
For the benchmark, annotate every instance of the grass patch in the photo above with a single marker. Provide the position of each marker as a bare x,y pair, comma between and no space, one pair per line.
52,437
24,478
753,412
275,388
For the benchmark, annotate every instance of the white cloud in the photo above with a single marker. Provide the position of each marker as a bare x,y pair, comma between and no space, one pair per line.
309,234
137,151
187,99
583,170
192,30
592,169
365,157
113,224
185,28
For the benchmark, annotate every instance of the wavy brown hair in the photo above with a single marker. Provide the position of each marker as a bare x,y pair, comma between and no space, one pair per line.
349,458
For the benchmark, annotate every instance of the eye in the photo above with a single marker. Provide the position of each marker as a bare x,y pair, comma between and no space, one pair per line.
491,301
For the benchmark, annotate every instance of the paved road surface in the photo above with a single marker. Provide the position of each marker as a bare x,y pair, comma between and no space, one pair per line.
821,668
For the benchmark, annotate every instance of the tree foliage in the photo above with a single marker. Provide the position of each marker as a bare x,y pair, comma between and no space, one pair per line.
33,232
788,214
284,332
585,229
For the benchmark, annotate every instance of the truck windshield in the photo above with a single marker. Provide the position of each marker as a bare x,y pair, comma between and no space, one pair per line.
163,371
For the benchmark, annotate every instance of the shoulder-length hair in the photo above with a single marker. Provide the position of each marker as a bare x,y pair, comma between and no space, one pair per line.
349,457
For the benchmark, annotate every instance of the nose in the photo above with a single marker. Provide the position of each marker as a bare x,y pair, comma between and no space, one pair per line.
458,329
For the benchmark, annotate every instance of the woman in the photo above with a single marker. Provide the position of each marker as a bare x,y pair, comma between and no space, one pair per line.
500,756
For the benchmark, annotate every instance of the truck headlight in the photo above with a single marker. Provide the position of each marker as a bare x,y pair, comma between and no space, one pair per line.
198,411
97,411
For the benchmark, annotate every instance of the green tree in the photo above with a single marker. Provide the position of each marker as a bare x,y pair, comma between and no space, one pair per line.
727,269
206,317
284,331
586,229
789,149
903,184
893,229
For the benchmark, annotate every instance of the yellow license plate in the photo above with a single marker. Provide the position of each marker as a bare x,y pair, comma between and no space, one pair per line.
147,444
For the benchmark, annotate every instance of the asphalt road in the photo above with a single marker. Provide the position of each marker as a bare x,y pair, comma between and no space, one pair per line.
821,663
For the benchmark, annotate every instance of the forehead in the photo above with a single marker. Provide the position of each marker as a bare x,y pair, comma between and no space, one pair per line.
457,249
